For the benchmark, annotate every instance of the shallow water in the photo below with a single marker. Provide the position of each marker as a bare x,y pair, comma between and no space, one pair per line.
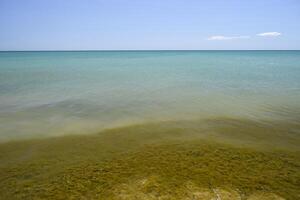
57,93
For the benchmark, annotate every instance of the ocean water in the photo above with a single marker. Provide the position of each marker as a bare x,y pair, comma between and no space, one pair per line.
81,92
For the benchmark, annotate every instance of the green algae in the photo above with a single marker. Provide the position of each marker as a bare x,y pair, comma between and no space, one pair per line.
165,160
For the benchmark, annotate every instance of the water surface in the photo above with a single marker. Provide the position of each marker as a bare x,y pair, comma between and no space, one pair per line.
58,93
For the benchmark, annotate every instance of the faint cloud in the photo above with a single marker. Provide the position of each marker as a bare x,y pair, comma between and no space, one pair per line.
221,37
269,34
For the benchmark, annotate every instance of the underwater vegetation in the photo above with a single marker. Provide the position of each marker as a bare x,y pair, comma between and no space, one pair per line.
221,158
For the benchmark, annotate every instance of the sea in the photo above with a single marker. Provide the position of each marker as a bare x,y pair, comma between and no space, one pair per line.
54,93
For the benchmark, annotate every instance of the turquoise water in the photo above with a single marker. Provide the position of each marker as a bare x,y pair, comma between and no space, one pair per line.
57,93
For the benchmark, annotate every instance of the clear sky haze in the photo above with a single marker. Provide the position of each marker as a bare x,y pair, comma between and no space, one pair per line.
149,24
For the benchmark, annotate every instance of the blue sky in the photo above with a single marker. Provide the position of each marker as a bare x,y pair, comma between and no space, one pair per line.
149,24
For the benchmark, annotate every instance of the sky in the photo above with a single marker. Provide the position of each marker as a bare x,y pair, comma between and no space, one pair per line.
149,24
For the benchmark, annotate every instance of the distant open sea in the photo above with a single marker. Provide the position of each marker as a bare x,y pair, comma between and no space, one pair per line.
79,92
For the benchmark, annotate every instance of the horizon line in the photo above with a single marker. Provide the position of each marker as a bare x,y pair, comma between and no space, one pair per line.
77,50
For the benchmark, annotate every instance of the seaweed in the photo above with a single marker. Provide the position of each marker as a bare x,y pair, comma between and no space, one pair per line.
228,158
